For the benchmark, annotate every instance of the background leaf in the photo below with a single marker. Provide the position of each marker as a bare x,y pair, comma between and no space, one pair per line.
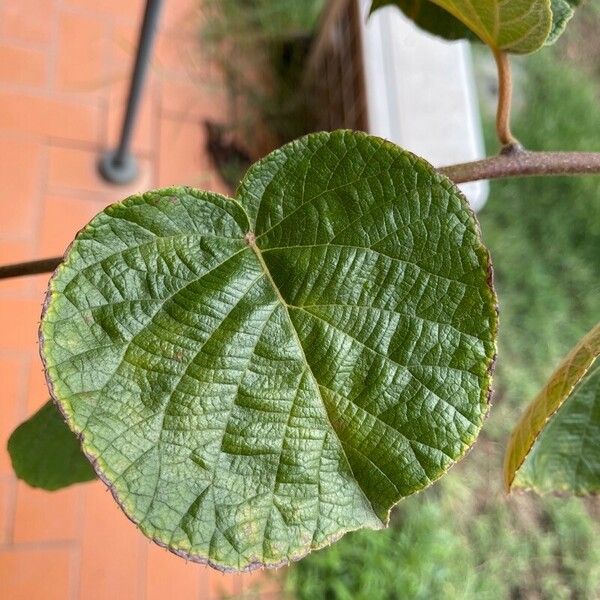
46,454
518,26
556,445
430,17
562,12
255,377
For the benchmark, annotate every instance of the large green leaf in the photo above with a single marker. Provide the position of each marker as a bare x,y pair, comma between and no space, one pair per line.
254,377
556,445
46,454
519,26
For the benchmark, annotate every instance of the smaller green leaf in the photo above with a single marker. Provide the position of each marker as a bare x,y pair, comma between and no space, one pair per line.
518,26
46,454
556,445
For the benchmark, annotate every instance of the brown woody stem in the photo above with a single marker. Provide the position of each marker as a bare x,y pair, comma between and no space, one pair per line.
522,163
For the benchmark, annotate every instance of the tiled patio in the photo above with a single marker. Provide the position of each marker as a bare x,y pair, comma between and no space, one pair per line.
64,68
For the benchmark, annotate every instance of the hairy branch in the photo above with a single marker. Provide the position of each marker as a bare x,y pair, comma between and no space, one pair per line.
523,163
514,162
35,267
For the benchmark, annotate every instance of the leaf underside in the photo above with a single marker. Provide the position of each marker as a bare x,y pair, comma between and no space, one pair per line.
255,377
556,445
517,26
46,454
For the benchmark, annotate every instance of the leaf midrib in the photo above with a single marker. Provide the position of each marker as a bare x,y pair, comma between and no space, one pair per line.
294,331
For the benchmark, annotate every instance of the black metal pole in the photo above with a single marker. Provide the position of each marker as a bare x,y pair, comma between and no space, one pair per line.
119,166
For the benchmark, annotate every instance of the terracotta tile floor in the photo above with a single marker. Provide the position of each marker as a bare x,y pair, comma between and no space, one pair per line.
64,67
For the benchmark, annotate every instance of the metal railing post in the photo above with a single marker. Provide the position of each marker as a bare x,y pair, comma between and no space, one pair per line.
119,166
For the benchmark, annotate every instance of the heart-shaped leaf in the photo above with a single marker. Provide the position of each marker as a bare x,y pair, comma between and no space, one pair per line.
256,376
518,26
556,445
46,454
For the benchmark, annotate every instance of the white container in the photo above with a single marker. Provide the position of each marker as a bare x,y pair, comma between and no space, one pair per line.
420,92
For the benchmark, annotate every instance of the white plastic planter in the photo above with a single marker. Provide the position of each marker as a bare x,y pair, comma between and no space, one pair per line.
420,92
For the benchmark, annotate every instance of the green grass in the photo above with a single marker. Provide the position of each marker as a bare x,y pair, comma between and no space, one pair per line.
464,539
368,565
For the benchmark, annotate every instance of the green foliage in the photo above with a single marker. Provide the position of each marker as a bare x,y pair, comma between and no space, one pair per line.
141,357
260,19
545,252
555,445
46,454
255,377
